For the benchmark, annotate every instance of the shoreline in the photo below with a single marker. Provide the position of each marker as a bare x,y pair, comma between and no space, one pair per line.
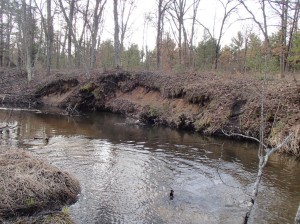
208,104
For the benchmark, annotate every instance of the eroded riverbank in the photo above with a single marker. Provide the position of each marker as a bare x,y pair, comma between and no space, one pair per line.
206,103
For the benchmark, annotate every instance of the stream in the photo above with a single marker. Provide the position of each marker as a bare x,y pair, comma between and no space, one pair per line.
126,171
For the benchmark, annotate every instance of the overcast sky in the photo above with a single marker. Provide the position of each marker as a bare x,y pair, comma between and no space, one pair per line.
208,10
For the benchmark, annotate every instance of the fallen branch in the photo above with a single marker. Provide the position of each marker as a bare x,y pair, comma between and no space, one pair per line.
218,168
243,136
263,159
71,110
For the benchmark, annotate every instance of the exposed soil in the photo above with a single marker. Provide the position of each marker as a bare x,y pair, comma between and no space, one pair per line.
207,103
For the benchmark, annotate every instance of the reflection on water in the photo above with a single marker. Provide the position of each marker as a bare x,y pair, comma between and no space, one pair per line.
127,172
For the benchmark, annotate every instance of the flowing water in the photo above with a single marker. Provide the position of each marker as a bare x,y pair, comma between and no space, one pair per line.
127,171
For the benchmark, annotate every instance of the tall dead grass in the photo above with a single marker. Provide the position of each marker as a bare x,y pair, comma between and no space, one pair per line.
29,185
293,146
57,218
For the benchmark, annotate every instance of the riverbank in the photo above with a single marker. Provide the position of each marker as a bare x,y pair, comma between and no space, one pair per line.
206,103
33,191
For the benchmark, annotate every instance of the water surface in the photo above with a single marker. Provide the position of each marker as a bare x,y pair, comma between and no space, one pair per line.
127,171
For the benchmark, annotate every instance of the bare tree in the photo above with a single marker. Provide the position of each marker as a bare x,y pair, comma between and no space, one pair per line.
116,35
179,7
264,152
79,47
49,37
162,6
70,29
73,37
288,11
263,26
191,42
295,7
7,29
47,24
229,8
1,33
97,17
27,25
125,15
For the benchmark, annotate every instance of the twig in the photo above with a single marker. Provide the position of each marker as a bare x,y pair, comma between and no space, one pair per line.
244,136
219,174
286,140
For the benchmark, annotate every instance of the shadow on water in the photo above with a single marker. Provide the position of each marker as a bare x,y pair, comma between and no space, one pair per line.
127,171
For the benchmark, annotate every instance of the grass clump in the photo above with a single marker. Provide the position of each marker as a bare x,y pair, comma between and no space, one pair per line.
29,185
88,87
55,218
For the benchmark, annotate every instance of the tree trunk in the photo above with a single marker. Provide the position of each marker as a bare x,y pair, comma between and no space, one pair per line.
191,48
265,30
94,33
245,55
283,33
158,36
27,38
292,31
70,31
1,34
98,13
180,39
49,38
9,29
79,50
185,46
116,35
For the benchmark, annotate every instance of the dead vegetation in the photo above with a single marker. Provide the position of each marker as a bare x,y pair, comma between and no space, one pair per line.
204,102
55,218
29,186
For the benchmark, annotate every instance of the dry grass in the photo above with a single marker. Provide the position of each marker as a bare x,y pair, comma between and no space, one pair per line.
57,218
293,146
29,185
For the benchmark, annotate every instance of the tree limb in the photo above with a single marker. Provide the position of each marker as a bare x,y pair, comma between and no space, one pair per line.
243,136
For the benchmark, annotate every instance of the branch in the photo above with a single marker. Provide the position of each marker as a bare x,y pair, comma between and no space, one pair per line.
243,136
253,16
205,27
218,167
286,140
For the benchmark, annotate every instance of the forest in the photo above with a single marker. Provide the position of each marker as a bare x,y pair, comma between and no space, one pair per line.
46,35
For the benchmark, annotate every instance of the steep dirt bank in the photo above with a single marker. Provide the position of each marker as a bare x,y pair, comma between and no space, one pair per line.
206,103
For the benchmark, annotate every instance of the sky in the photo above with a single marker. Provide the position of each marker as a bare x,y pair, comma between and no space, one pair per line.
208,10
210,13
